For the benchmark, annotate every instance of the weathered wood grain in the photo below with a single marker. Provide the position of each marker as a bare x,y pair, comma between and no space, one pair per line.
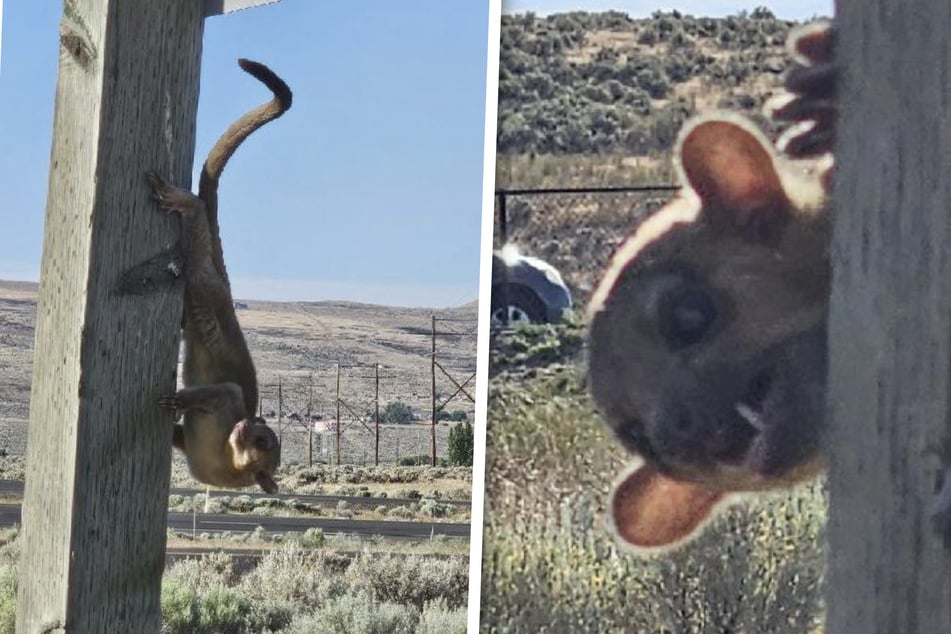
94,519
890,319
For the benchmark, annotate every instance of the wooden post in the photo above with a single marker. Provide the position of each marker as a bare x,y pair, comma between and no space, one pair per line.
108,318
433,373
890,320
338,414
310,423
280,409
376,416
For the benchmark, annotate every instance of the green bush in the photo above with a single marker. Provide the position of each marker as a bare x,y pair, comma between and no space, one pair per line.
397,412
432,508
461,444
554,83
199,596
215,609
457,414
8,598
414,461
222,611
179,606
312,538
293,590
303,578
437,618
359,614
410,580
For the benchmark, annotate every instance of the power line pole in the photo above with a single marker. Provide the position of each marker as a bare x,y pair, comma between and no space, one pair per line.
338,414
376,460
433,372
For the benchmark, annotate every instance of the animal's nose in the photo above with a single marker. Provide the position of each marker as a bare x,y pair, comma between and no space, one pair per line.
703,431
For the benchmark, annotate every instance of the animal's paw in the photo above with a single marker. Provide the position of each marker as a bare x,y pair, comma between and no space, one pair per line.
172,403
169,197
808,102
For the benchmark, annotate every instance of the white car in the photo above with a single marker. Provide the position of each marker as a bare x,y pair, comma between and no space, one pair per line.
526,289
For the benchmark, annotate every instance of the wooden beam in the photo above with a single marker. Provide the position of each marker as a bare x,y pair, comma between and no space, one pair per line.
108,319
890,319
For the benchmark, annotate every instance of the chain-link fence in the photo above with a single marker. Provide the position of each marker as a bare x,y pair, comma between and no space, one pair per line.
574,229
368,414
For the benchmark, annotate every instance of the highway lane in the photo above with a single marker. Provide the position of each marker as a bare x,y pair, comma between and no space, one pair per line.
217,523
15,488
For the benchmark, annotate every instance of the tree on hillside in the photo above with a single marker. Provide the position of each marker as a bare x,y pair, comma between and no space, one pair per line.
397,412
461,444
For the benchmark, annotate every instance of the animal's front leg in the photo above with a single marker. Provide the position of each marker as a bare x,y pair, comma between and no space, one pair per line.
809,100
225,398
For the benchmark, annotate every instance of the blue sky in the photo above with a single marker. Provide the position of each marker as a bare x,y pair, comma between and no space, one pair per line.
368,189
786,9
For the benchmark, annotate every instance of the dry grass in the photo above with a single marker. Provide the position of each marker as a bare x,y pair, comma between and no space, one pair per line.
549,566
514,171
252,543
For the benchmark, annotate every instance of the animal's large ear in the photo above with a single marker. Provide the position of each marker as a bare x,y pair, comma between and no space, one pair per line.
732,169
266,482
650,512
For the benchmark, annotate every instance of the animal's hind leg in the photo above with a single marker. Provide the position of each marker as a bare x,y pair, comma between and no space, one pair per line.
172,198
196,234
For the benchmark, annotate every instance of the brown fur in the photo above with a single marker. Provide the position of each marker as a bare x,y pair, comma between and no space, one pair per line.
707,340
225,445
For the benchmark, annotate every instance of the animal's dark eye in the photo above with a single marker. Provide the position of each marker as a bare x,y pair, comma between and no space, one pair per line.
261,443
686,317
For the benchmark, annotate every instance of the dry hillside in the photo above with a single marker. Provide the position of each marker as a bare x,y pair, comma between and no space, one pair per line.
293,342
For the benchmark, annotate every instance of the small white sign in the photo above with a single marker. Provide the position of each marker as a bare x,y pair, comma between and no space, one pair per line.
219,7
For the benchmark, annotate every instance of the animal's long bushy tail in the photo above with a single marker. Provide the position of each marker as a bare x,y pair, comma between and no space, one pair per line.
236,133
241,129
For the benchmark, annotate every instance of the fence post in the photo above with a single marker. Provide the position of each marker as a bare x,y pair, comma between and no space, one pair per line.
433,370
280,409
108,319
376,400
338,415
310,423
503,218
890,320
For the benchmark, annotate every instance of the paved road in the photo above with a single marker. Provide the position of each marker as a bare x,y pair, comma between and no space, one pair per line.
15,487
215,523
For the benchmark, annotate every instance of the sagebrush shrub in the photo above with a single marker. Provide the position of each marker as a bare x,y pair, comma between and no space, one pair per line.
438,618
413,579
8,598
362,614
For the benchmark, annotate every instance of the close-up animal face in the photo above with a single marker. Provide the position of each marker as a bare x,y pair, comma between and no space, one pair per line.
256,452
707,350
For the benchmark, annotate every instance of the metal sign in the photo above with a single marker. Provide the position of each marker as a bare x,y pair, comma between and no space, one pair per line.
219,7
